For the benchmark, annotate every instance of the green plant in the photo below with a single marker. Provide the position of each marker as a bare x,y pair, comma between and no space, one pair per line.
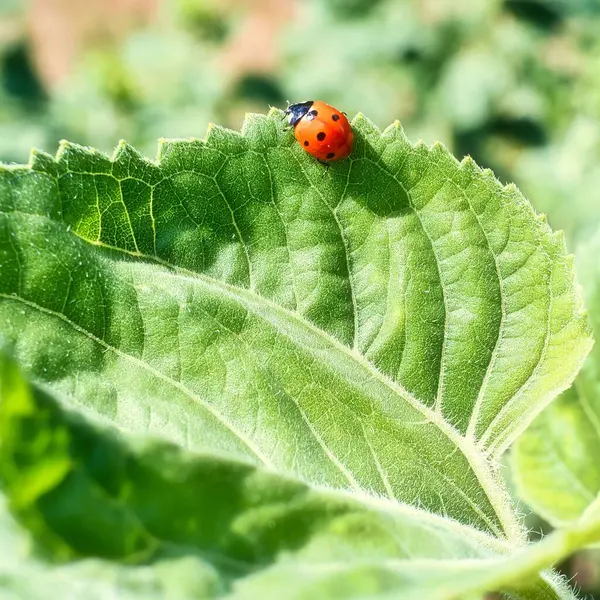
342,358
555,462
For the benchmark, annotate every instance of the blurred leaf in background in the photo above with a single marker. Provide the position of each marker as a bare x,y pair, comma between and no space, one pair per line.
511,82
167,71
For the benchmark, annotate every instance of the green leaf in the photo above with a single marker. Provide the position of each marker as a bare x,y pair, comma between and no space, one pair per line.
25,575
554,461
140,508
385,328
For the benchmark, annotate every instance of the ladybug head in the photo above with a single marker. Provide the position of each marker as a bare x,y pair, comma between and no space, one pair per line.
295,112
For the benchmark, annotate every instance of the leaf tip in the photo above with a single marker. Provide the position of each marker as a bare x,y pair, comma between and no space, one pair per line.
365,125
159,149
440,150
274,112
468,164
361,121
490,176
35,156
541,218
63,147
40,161
125,150
395,132
122,146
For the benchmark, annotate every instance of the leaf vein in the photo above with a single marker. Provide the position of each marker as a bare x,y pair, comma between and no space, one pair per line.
169,380
346,249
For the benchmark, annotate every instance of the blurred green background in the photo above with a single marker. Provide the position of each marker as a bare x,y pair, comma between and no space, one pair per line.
514,83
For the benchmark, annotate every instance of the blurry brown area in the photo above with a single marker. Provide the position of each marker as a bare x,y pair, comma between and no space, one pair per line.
584,570
255,47
61,31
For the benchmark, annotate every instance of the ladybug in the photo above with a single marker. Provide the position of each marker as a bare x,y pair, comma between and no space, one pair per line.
323,131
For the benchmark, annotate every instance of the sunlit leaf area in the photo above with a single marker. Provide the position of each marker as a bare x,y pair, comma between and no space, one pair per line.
231,370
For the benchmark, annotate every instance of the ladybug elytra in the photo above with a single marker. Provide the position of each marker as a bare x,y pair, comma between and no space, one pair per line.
323,131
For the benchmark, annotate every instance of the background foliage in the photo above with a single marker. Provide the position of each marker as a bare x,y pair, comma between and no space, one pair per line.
514,83
511,82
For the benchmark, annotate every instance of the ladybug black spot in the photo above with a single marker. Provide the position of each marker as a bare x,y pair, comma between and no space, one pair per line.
331,155
306,142
321,136
335,117
313,113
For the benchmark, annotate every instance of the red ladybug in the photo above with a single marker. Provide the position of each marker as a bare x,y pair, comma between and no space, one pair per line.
321,130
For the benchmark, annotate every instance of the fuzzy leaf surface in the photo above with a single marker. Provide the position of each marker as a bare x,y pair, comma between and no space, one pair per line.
379,329
134,512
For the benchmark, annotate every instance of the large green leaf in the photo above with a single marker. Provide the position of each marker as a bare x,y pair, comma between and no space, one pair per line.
159,522
382,327
555,461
